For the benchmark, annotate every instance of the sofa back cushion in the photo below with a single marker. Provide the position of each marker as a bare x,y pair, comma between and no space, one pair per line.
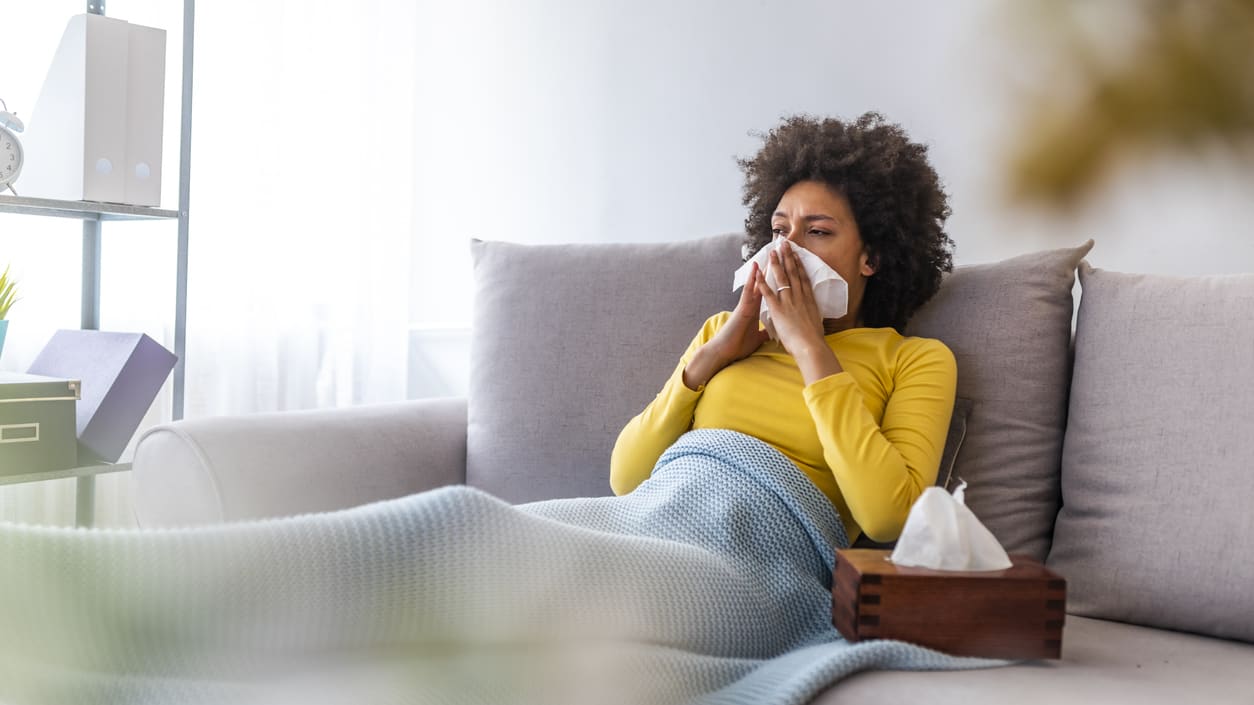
570,342
1008,324
1158,467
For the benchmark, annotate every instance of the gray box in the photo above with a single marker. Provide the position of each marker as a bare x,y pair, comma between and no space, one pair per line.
37,423
121,374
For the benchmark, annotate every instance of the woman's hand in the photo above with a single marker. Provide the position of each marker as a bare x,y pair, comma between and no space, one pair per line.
736,340
795,313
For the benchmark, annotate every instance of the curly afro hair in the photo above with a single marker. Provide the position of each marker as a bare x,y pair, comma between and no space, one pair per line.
895,195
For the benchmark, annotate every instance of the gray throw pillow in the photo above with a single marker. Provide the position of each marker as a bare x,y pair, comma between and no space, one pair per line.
1008,324
1158,468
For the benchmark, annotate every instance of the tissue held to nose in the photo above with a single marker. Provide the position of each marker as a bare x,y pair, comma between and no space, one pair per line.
831,292
942,533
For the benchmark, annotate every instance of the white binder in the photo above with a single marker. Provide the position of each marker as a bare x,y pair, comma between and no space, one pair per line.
99,116
145,110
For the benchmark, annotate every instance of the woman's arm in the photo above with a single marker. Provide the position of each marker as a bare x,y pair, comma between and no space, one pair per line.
665,419
724,339
883,468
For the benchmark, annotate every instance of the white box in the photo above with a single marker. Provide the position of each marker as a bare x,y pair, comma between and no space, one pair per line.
98,116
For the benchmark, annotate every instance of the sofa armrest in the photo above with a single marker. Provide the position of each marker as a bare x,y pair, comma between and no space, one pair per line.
275,464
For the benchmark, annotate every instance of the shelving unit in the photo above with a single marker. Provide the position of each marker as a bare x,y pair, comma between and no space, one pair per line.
93,215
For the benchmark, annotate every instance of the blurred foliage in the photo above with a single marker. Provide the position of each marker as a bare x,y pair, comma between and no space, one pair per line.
1135,77
8,293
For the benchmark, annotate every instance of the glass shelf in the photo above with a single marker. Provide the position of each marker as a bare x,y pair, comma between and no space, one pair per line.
82,210
82,471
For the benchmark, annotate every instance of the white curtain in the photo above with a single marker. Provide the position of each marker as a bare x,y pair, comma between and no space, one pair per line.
301,222
301,205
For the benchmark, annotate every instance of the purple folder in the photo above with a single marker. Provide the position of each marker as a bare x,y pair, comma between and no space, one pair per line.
121,373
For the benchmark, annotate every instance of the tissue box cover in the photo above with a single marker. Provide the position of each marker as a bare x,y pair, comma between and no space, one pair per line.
1017,613
36,424
121,375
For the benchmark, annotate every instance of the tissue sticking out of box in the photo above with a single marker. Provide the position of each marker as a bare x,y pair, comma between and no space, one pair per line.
943,534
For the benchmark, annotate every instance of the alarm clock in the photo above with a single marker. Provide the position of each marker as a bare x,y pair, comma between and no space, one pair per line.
10,148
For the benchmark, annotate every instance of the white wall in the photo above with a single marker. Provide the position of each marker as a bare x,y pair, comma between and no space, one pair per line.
557,121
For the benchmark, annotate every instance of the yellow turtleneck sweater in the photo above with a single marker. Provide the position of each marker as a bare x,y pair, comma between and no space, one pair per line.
870,437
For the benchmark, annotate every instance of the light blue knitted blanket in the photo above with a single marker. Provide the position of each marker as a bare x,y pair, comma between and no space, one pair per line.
708,584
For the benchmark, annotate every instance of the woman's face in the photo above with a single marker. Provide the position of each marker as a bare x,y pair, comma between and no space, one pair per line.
814,216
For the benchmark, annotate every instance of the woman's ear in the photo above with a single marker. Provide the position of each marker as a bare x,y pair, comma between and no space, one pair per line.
869,265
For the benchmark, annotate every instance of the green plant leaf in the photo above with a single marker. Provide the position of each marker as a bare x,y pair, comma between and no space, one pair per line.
8,293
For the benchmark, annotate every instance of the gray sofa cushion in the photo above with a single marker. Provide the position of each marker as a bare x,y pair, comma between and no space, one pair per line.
570,343
1009,326
1102,662
1157,476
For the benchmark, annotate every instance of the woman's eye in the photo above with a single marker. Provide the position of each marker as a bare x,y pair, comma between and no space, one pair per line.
819,233
777,232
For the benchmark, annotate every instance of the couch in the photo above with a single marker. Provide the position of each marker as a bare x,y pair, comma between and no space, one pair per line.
1117,448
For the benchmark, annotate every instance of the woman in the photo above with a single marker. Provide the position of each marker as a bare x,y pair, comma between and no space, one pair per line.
861,409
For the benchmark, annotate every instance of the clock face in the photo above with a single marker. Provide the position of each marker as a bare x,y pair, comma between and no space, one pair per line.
10,157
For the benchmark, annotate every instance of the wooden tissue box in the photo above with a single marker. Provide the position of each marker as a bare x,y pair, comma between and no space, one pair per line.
1017,613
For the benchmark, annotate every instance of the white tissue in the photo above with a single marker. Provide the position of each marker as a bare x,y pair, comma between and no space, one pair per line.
942,533
831,292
